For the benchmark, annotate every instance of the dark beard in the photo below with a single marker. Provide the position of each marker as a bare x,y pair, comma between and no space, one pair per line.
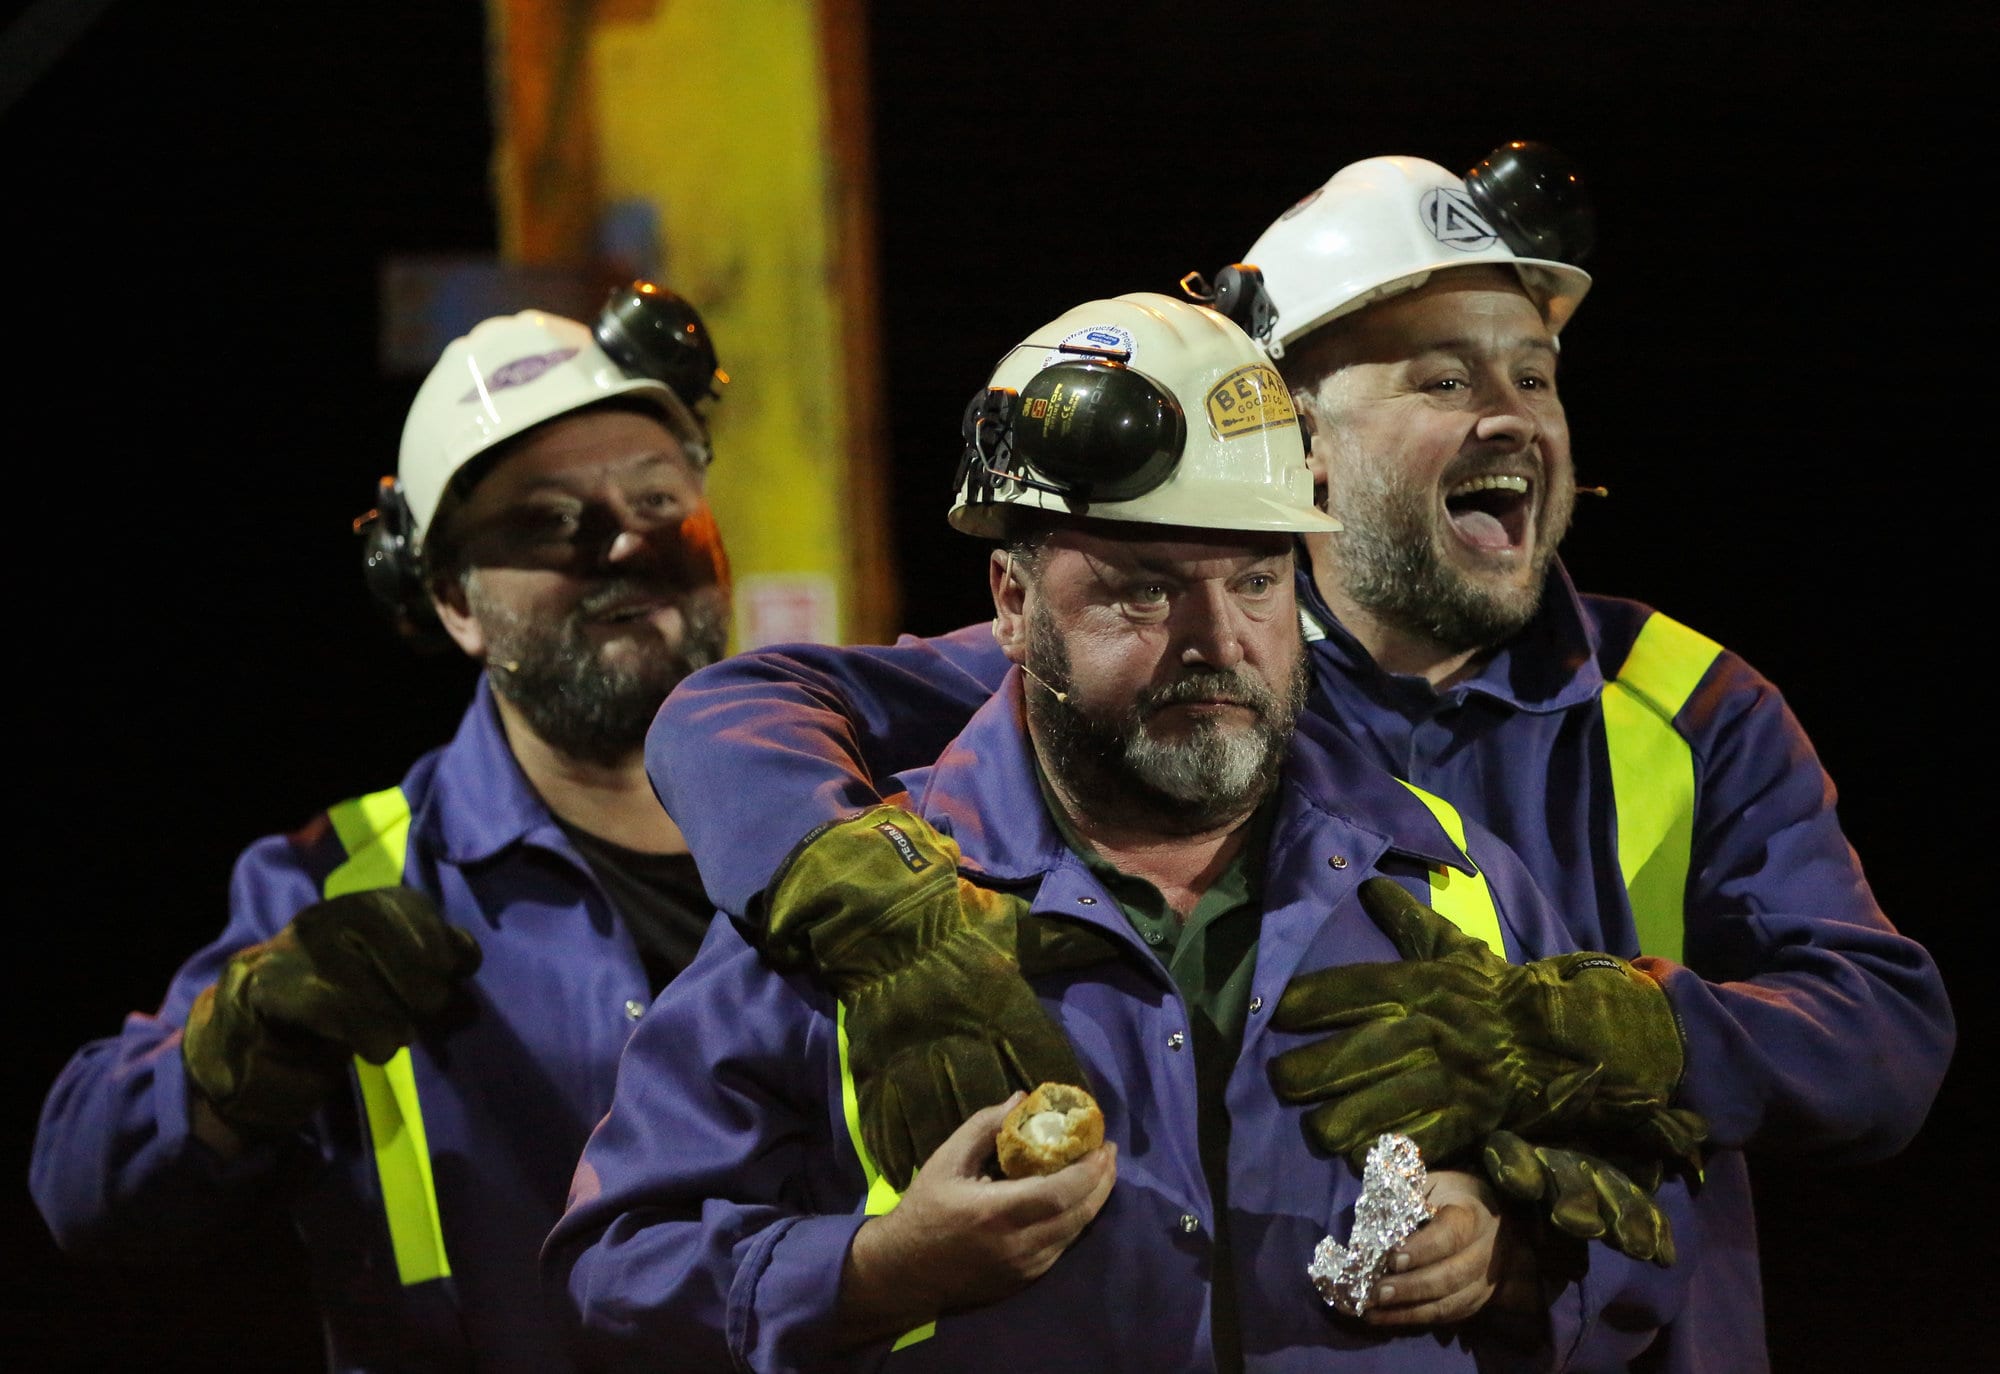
550,672
1390,566
1114,771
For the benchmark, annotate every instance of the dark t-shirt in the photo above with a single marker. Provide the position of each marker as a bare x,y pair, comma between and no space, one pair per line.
658,896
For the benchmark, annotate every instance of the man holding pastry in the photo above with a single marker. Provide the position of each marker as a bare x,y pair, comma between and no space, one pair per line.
1144,823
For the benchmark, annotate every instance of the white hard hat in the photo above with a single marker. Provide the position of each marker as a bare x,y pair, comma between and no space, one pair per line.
1145,409
1381,227
511,373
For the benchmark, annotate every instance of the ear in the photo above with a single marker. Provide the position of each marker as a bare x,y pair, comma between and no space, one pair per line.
1009,586
1315,450
454,612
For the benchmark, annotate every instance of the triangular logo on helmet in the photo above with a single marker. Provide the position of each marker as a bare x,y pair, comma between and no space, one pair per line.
1453,220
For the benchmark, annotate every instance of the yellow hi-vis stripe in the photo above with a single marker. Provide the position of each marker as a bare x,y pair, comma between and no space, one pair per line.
375,832
1465,901
1652,775
882,1195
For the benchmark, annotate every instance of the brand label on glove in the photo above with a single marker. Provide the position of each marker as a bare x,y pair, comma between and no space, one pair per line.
905,851
1251,398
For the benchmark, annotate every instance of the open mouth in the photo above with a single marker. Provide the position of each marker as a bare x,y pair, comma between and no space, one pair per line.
1491,513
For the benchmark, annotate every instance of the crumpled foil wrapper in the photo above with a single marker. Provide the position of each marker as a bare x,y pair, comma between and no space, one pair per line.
1391,1206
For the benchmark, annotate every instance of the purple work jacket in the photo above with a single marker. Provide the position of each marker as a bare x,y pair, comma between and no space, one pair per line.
1813,1027
508,1092
713,1208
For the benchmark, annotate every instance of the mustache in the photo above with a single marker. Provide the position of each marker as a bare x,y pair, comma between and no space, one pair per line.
624,591
1208,684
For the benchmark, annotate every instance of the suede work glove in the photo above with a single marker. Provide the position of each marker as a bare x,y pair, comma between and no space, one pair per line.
270,1040
1585,1196
1454,1043
940,1020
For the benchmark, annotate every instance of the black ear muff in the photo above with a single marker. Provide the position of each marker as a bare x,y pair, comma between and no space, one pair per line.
652,332
389,566
1098,430
1239,295
1534,196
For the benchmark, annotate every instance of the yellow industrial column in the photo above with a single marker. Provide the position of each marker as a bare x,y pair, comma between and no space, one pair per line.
721,146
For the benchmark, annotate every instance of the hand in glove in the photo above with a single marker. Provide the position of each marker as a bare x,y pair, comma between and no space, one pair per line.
1455,1042
271,1038
1585,1196
940,1021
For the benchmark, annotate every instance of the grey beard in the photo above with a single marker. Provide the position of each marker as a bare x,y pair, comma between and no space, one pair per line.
1115,770
550,672
1390,566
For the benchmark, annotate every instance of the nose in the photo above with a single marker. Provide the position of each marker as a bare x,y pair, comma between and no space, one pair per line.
1210,632
627,544
636,529
1507,419
688,546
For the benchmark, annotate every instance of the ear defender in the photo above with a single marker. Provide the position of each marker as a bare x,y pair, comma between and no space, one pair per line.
1098,429
1239,296
1087,430
650,331
391,569
1534,196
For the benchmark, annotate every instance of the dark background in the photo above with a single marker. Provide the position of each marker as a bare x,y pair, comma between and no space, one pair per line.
1784,373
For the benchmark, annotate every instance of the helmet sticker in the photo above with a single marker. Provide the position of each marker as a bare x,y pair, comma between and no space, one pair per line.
519,372
1099,338
1454,221
1307,199
1251,398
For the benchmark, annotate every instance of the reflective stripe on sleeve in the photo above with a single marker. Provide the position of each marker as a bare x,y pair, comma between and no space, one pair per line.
1652,775
882,1195
1464,900
375,832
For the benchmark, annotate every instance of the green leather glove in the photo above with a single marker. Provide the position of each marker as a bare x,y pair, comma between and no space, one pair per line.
1455,1042
271,1039
1587,1197
940,1020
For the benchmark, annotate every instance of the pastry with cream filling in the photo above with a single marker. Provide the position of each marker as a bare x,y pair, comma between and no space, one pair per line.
1049,1129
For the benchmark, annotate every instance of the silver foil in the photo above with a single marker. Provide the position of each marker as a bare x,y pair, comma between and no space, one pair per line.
1391,1206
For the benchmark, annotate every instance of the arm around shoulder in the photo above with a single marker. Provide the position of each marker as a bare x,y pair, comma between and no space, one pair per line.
751,753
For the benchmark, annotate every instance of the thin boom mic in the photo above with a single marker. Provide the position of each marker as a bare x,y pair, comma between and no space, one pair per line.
1059,696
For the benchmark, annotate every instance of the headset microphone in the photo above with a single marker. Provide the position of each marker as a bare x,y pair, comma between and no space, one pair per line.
1593,491
1059,696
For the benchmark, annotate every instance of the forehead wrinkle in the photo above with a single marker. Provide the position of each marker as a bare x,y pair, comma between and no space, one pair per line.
1464,344
1180,569
572,480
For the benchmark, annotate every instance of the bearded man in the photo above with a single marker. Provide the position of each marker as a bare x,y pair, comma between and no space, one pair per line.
1140,821
1655,784
412,1019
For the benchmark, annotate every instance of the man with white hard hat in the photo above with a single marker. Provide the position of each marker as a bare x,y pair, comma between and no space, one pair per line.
1655,784
1142,822
412,1019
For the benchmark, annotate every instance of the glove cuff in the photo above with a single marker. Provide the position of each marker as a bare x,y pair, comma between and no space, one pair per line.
846,878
